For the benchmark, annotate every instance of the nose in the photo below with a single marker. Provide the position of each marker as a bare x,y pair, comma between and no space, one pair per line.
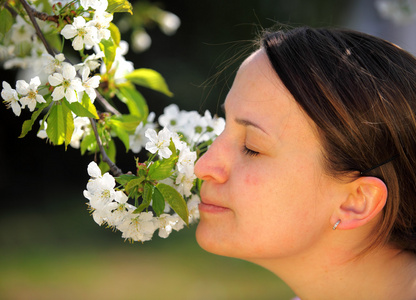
214,164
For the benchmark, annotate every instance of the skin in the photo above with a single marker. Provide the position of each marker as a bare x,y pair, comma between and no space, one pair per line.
275,206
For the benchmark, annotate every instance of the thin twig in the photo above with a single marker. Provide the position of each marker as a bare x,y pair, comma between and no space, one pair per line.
29,11
106,104
10,9
113,168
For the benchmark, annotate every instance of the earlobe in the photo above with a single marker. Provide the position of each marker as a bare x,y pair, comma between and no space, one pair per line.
366,199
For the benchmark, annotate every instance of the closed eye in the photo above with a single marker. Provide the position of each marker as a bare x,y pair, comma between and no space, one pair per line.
249,152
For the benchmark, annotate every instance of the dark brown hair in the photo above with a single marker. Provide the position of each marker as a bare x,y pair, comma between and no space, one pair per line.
361,93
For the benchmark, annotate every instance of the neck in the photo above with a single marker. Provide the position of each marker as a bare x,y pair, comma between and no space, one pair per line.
384,273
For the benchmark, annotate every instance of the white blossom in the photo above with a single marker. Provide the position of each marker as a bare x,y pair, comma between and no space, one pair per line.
84,33
191,125
140,41
172,118
217,124
11,98
90,84
169,23
186,161
17,62
100,5
90,63
22,31
167,223
53,64
99,215
118,210
42,131
29,93
81,127
138,227
6,52
138,140
100,189
93,170
102,21
159,142
66,84
193,209
184,183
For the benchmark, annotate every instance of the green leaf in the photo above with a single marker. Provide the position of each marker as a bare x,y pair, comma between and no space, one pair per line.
109,49
147,197
54,39
115,34
148,192
175,200
122,135
60,124
69,125
6,21
28,124
89,143
124,178
158,204
119,6
135,102
151,79
85,108
162,169
125,122
46,6
134,184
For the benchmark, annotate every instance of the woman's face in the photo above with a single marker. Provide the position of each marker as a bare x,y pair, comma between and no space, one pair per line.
264,193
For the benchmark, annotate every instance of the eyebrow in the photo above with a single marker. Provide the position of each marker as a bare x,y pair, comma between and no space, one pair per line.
245,122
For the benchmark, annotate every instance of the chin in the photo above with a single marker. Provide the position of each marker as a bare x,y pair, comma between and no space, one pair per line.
214,239
211,242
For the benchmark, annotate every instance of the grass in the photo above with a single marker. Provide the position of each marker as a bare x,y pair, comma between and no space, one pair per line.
64,255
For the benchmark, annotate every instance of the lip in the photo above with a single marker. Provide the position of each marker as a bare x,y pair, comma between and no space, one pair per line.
208,207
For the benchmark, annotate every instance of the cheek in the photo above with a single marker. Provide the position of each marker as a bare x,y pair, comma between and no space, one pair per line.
251,180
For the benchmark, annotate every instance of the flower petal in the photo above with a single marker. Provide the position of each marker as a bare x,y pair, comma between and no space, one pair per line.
69,72
58,93
69,31
93,170
55,79
70,95
22,87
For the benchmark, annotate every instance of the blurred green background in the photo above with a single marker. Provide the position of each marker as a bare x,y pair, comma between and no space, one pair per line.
50,248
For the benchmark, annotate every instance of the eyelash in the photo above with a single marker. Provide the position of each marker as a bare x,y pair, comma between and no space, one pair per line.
249,152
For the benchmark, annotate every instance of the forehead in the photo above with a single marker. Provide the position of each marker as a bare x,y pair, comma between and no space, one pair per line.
256,81
257,91
257,72
258,95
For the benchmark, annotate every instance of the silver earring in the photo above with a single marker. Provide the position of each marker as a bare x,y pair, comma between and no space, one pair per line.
336,225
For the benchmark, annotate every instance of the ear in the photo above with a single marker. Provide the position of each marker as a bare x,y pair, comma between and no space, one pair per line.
366,198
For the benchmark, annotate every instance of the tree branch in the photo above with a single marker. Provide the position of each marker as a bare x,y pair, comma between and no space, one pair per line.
30,13
44,16
113,168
